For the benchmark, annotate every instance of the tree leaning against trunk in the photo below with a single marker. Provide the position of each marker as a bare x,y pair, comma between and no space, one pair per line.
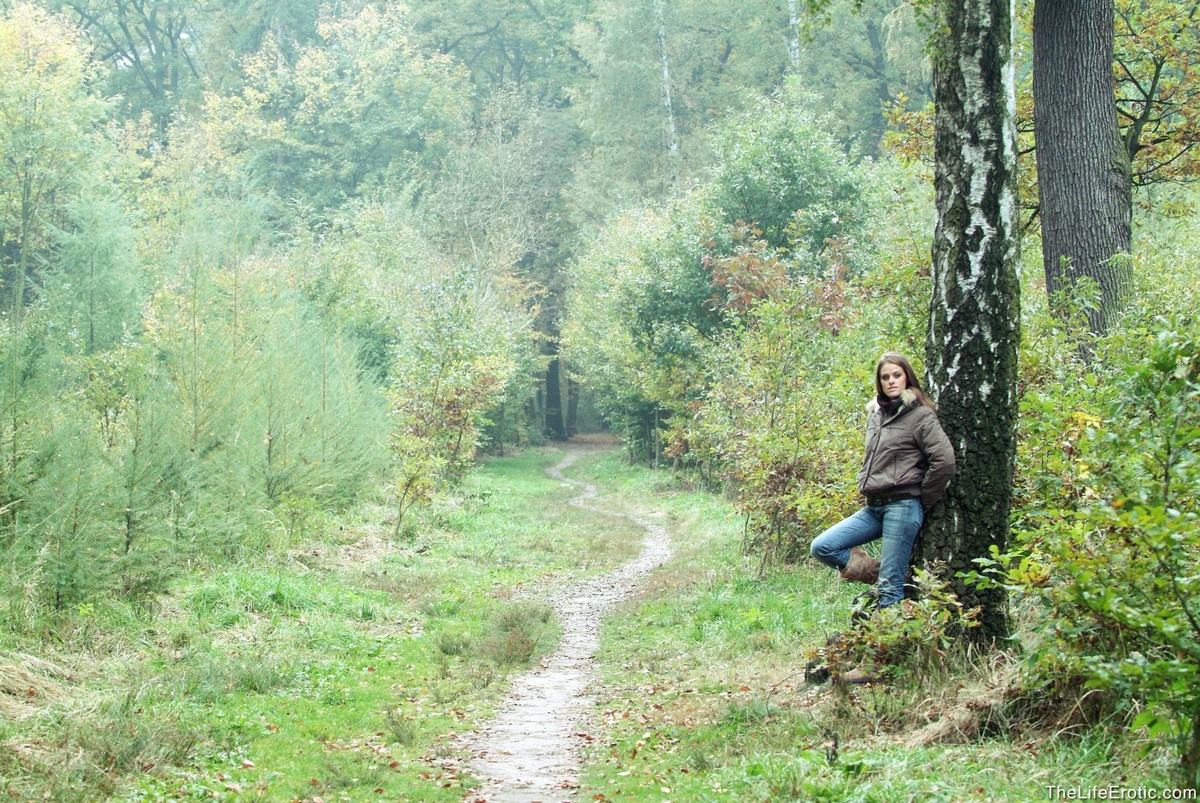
974,321
1084,182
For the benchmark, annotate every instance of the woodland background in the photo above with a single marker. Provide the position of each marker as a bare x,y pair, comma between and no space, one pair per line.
258,259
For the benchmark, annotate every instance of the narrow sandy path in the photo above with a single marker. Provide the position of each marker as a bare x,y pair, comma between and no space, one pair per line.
530,751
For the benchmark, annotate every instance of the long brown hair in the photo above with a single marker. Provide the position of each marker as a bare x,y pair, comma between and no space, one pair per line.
910,376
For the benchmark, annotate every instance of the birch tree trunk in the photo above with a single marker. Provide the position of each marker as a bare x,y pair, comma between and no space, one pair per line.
793,42
672,144
1084,182
974,323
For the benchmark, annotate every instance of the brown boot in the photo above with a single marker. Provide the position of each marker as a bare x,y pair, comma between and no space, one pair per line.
855,676
861,568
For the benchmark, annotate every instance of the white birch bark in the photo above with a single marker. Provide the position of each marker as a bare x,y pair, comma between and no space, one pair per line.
975,311
793,42
672,144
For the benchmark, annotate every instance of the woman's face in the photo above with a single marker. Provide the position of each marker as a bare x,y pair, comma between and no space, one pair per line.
892,379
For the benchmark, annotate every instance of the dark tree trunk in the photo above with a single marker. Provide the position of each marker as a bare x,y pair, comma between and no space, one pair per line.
500,431
555,428
572,407
974,323
537,409
1084,183
878,73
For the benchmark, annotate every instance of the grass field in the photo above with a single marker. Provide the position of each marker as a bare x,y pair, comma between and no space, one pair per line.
342,666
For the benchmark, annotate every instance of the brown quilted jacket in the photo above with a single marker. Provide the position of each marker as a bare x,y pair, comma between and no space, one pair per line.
906,449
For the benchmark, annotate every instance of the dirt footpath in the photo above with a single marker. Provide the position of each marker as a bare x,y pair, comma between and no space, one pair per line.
530,751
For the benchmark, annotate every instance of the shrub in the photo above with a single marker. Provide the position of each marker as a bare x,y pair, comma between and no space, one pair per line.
1111,558
913,637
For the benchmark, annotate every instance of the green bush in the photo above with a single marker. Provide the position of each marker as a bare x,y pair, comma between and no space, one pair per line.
175,444
782,171
1109,545
911,638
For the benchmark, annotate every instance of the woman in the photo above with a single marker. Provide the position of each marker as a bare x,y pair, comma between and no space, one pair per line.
908,462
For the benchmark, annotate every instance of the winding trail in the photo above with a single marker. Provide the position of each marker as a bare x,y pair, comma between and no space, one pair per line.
530,751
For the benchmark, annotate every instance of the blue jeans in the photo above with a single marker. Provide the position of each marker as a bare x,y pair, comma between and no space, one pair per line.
897,523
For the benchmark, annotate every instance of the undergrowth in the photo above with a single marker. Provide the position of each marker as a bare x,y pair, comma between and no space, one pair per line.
708,696
340,666
345,667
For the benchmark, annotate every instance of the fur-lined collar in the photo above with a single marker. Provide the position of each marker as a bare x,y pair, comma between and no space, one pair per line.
907,396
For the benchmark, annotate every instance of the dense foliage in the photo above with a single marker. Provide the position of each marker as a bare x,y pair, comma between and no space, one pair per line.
185,378
731,354
1106,553
1104,560
260,260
